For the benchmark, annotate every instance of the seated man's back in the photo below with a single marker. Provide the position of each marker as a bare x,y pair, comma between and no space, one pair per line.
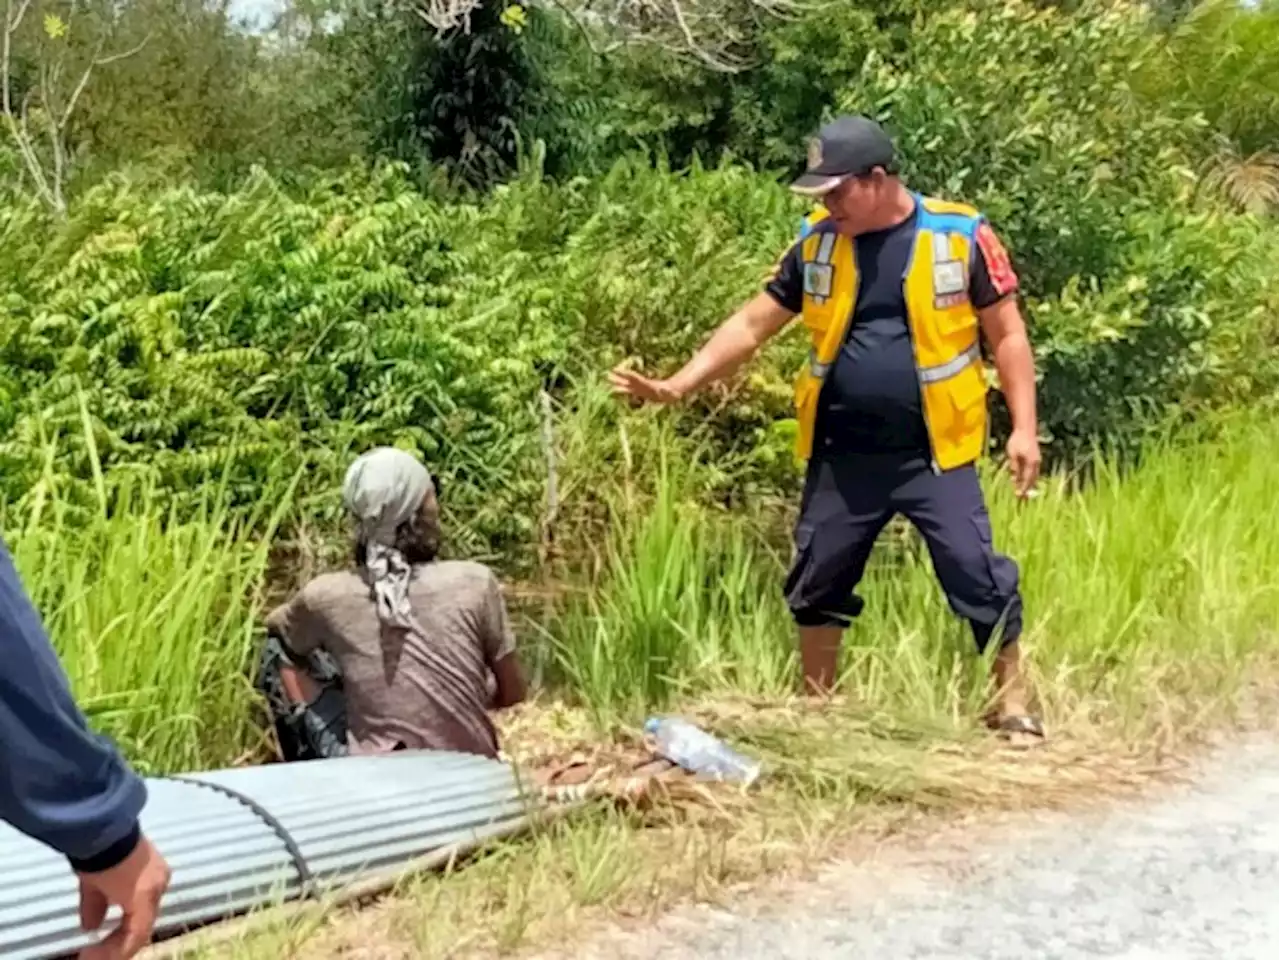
418,641
426,687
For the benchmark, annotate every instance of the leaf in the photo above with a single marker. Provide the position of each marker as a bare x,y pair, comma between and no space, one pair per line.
514,17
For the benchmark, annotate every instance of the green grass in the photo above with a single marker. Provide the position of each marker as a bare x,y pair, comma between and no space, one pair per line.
1144,589
1151,600
1151,594
686,603
155,620
1158,587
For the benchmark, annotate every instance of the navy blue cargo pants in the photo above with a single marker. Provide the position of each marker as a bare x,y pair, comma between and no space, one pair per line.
849,498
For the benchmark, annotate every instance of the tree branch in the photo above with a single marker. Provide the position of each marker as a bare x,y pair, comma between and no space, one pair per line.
123,54
694,47
582,28
445,15
54,132
20,132
711,32
55,116
22,137
96,62
11,23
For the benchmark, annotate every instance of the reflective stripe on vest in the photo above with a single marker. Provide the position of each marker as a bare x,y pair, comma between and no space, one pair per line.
953,367
826,247
941,247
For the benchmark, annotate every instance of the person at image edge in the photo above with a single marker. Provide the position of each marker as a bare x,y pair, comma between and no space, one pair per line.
67,788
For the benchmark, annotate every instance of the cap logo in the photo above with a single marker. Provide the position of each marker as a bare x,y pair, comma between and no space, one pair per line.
815,153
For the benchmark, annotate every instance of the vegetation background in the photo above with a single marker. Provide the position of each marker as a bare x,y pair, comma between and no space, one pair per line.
233,257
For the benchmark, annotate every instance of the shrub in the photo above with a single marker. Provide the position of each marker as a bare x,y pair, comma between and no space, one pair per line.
261,331
252,334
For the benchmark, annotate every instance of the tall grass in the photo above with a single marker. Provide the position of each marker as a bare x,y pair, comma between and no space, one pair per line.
686,602
155,620
1151,597
1146,592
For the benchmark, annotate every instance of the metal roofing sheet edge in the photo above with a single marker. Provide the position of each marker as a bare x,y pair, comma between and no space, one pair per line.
246,838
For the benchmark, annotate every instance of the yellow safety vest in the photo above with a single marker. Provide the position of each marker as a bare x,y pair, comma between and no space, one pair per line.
942,322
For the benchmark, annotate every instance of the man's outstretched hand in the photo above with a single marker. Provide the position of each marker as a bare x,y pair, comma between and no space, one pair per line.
628,384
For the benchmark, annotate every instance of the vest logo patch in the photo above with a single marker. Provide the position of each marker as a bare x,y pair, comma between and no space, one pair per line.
950,285
999,268
818,279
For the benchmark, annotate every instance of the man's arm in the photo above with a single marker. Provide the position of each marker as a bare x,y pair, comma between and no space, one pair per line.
1006,333
500,648
511,685
993,292
733,344
58,782
292,624
65,787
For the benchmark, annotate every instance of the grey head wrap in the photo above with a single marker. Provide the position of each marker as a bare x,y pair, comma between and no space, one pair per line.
383,489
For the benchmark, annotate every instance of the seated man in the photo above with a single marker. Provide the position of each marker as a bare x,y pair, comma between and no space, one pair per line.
423,646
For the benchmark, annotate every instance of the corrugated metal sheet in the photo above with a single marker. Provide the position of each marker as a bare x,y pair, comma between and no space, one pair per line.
193,826
238,839
393,807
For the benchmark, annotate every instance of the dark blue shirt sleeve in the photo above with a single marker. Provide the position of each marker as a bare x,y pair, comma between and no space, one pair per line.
786,282
59,783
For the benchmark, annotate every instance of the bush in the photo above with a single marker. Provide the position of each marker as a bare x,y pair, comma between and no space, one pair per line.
1218,62
761,116
251,334
1028,114
259,332
273,328
1186,324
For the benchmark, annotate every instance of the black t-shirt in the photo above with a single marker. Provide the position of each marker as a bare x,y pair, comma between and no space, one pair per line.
870,401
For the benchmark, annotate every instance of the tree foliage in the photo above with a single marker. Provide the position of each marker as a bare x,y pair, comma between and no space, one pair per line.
1218,62
237,298
45,69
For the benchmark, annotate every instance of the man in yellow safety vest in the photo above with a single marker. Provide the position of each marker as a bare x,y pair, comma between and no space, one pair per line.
896,291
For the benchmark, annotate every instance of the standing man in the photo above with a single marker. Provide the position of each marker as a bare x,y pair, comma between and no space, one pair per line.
66,788
896,291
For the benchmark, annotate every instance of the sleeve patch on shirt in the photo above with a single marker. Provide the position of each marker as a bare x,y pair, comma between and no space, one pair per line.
999,268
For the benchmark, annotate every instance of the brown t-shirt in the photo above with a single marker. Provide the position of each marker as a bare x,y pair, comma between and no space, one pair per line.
428,689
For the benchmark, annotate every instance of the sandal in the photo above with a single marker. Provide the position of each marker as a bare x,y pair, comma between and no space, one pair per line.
1015,724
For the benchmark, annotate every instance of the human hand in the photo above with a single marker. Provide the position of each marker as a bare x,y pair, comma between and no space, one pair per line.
634,386
135,885
1023,452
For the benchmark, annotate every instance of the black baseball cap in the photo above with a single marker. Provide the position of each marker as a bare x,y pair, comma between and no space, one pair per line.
846,147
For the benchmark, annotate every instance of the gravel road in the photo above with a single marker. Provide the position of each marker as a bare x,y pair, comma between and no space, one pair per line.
1190,871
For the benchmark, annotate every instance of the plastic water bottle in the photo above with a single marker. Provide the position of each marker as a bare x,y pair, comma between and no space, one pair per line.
699,752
